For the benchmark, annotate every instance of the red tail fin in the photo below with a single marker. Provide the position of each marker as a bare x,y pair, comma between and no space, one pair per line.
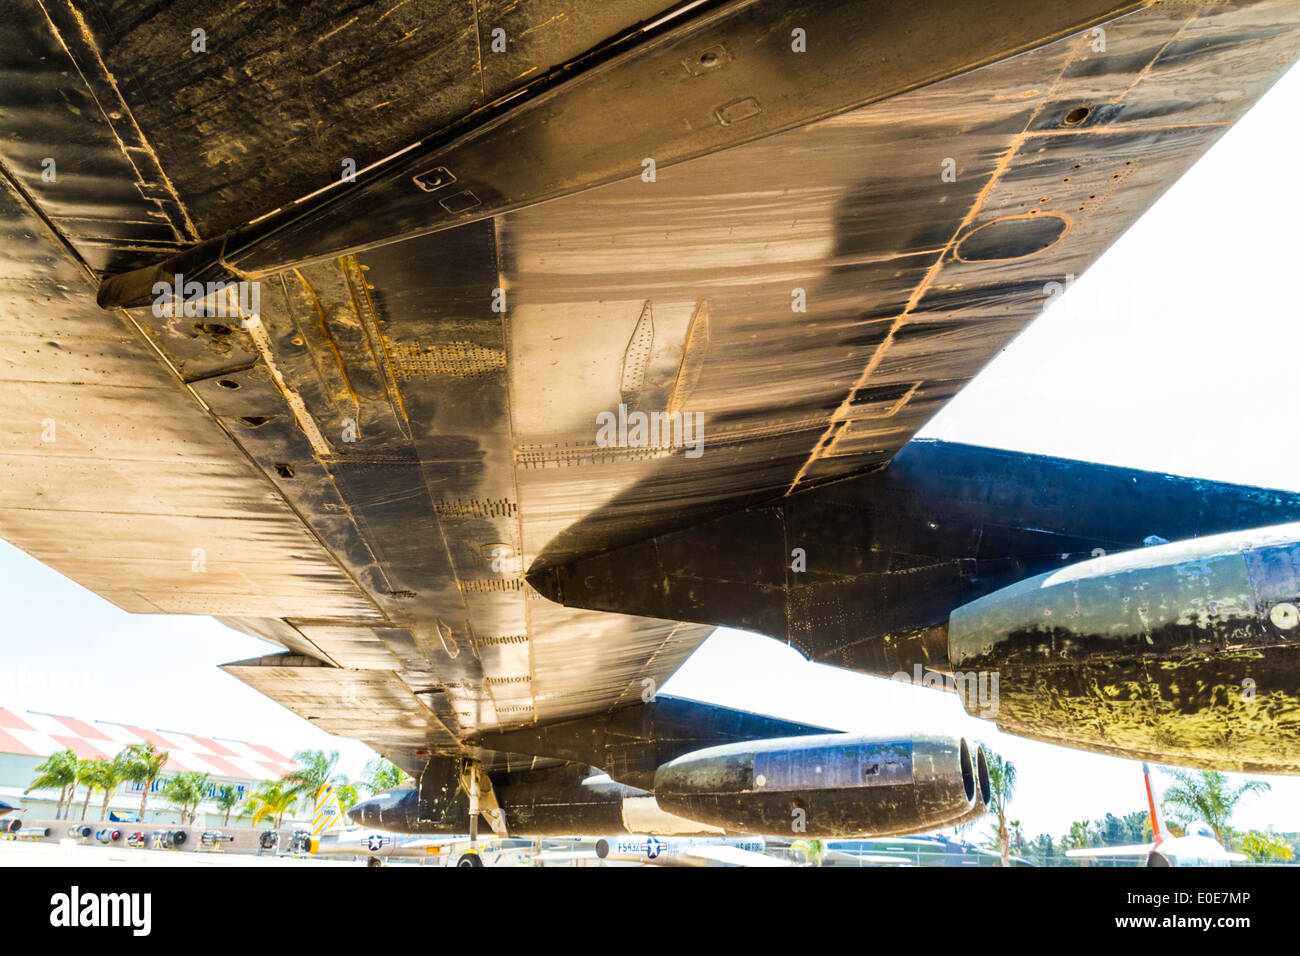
1156,830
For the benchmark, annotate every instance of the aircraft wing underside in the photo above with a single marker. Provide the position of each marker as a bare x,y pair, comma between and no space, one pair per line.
832,243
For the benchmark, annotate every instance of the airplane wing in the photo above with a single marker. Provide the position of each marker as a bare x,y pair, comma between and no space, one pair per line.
732,856
1101,851
473,272
875,859
564,856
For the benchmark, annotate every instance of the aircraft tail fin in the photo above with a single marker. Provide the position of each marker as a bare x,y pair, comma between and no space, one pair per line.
1157,828
328,813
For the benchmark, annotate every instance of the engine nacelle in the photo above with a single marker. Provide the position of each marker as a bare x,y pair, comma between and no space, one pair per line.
824,785
1184,653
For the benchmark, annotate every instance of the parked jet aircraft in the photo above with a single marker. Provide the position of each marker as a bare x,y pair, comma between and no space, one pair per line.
1199,847
330,836
13,824
602,331
911,851
687,851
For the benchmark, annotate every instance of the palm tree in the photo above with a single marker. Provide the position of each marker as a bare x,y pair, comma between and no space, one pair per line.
347,795
315,769
380,775
1017,836
273,799
89,772
1264,847
227,797
142,767
1079,837
1044,850
187,790
1206,795
1002,784
111,774
57,770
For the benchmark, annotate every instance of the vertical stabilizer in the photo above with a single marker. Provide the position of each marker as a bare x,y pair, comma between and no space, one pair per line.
327,815
1157,828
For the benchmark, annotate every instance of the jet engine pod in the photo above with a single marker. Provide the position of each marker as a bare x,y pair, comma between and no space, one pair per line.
825,785
1185,653
983,787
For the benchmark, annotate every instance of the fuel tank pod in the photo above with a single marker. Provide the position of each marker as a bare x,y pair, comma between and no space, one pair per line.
1184,653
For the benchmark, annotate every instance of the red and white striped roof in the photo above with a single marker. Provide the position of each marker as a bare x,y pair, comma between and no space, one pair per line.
39,735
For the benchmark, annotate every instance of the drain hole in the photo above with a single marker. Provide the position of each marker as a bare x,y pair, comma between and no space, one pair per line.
212,328
228,383
255,421
283,470
1077,115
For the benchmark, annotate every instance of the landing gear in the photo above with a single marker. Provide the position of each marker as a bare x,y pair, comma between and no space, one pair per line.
482,800
374,861
469,859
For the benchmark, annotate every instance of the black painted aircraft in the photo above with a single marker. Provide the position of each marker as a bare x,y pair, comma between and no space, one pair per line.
485,356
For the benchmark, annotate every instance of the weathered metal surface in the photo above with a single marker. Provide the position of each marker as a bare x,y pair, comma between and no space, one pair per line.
790,785
550,801
371,466
631,743
886,556
678,89
1189,650
862,573
65,116
283,94
851,211
98,425
823,785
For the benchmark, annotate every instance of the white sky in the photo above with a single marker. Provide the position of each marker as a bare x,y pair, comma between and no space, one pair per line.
1176,352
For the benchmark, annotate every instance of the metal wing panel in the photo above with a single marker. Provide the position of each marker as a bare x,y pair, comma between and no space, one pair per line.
912,282
116,478
369,466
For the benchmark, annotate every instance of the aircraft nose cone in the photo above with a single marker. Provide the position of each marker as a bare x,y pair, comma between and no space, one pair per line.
392,810
367,812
